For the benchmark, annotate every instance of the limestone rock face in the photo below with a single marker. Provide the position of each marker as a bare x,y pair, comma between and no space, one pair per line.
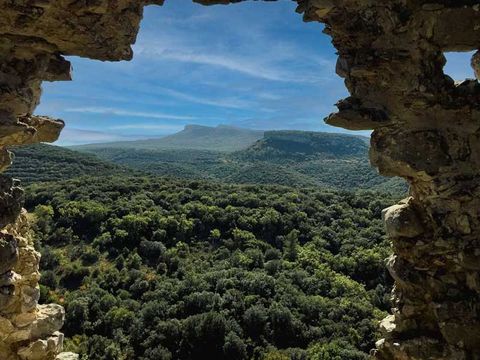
42,349
11,199
8,252
402,220
27,330
67,356
426,128
476,64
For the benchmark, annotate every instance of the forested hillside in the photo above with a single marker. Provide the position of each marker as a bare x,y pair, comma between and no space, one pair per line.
163,268
342,165
155,268
301,145
160,268
41,162
291,158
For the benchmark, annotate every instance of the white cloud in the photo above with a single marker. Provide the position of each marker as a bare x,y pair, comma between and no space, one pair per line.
269,96
122,112
227,102
148,127
257,55
254,65
72,136
247,66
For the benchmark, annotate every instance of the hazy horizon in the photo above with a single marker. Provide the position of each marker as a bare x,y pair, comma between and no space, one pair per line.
365,134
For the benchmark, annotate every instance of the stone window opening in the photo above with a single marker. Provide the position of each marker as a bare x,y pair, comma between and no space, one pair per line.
461,66
387,46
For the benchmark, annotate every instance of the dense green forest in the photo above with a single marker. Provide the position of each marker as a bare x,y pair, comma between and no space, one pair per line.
41,162
156,268
289,265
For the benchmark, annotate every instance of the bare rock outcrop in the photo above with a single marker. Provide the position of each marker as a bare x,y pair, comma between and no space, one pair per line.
27,330
67,356
426,129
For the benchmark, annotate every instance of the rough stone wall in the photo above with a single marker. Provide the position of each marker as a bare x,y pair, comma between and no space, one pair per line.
426,129
27,330
34,36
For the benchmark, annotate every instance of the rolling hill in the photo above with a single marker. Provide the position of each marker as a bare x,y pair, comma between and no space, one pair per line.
219,138
41,162
292,158
303,145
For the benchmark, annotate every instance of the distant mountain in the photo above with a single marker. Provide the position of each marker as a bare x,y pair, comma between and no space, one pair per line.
219,138
293,158
41,162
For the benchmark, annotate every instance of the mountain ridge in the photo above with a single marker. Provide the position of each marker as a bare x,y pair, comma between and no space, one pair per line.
219,138
282,157
290,158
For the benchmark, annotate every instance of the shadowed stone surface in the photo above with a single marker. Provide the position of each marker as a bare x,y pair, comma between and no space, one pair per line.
426,129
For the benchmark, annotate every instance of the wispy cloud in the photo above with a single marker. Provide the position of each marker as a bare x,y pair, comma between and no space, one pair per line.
252,61
130,113
231,62
73,136
252,52
164,127
254,65
226,102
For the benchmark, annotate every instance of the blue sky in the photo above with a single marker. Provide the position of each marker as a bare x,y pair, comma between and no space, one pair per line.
254,65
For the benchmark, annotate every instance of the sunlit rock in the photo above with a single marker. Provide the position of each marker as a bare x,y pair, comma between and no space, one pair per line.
67,356
402,220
